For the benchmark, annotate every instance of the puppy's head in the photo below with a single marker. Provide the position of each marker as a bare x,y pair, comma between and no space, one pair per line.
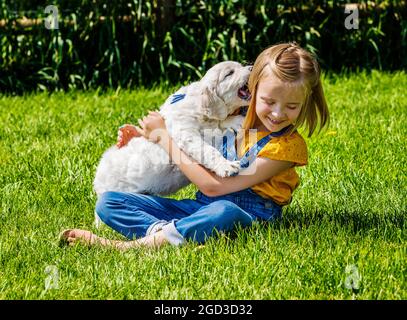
224,89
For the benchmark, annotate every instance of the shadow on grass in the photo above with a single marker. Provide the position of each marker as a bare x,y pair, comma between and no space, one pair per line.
353,221
390,226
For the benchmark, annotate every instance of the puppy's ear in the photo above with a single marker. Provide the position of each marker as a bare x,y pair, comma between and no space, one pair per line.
212,106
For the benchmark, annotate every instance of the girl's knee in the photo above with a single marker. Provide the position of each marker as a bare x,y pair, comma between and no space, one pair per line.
105,203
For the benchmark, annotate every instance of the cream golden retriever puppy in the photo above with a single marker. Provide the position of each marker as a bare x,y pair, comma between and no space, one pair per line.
194,116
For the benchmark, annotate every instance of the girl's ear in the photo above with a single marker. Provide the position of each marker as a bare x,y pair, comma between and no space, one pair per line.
212,106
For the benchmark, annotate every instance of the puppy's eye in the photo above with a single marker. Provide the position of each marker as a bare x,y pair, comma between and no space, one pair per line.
229,73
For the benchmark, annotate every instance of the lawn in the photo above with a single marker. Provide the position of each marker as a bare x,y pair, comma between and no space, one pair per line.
343,236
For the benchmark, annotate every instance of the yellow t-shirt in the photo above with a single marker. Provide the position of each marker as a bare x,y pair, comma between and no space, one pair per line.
288,148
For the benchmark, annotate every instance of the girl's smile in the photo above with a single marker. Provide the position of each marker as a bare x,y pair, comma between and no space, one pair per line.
277,104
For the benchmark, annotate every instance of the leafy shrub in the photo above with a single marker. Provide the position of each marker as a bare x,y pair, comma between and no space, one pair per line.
132,42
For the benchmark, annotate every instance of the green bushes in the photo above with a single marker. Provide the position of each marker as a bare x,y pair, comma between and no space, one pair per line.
132,42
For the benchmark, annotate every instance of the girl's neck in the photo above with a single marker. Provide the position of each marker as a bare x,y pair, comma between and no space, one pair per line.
259,126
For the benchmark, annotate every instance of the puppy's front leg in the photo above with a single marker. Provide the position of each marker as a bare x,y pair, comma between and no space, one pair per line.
233,122
206,154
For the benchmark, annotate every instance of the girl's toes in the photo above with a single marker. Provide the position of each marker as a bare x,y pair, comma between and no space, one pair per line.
70,236
63,237
71,241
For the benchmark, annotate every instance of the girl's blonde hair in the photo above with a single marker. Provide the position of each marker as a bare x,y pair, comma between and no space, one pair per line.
296,66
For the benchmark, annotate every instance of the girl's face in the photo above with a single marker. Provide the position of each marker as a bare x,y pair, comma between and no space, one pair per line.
277,104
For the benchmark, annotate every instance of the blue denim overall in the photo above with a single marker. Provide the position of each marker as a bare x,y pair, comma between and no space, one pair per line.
137,215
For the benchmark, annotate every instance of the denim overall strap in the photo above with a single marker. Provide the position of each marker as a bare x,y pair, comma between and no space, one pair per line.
177,97
229,149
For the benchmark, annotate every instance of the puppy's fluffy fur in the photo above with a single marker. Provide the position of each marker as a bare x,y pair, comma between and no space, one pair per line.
144,167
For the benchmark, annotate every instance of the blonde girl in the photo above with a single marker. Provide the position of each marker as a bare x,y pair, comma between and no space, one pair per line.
286,95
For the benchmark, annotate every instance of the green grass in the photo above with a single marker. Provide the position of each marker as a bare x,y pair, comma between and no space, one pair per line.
349,210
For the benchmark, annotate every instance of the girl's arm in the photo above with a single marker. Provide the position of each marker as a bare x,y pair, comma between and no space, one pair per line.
212,185
153,128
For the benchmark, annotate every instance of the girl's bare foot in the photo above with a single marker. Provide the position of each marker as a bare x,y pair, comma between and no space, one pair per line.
72,236
125,134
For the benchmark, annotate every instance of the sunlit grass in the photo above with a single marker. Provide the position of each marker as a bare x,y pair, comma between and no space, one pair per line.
349,210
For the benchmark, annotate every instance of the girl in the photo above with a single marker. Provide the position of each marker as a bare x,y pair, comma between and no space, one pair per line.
286,94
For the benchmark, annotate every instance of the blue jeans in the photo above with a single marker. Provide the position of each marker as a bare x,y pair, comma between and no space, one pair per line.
138,215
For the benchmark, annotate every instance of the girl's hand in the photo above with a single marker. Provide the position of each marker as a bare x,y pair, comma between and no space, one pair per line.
125,134
152,127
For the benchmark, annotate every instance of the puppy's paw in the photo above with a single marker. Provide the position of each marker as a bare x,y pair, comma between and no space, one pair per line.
227,169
